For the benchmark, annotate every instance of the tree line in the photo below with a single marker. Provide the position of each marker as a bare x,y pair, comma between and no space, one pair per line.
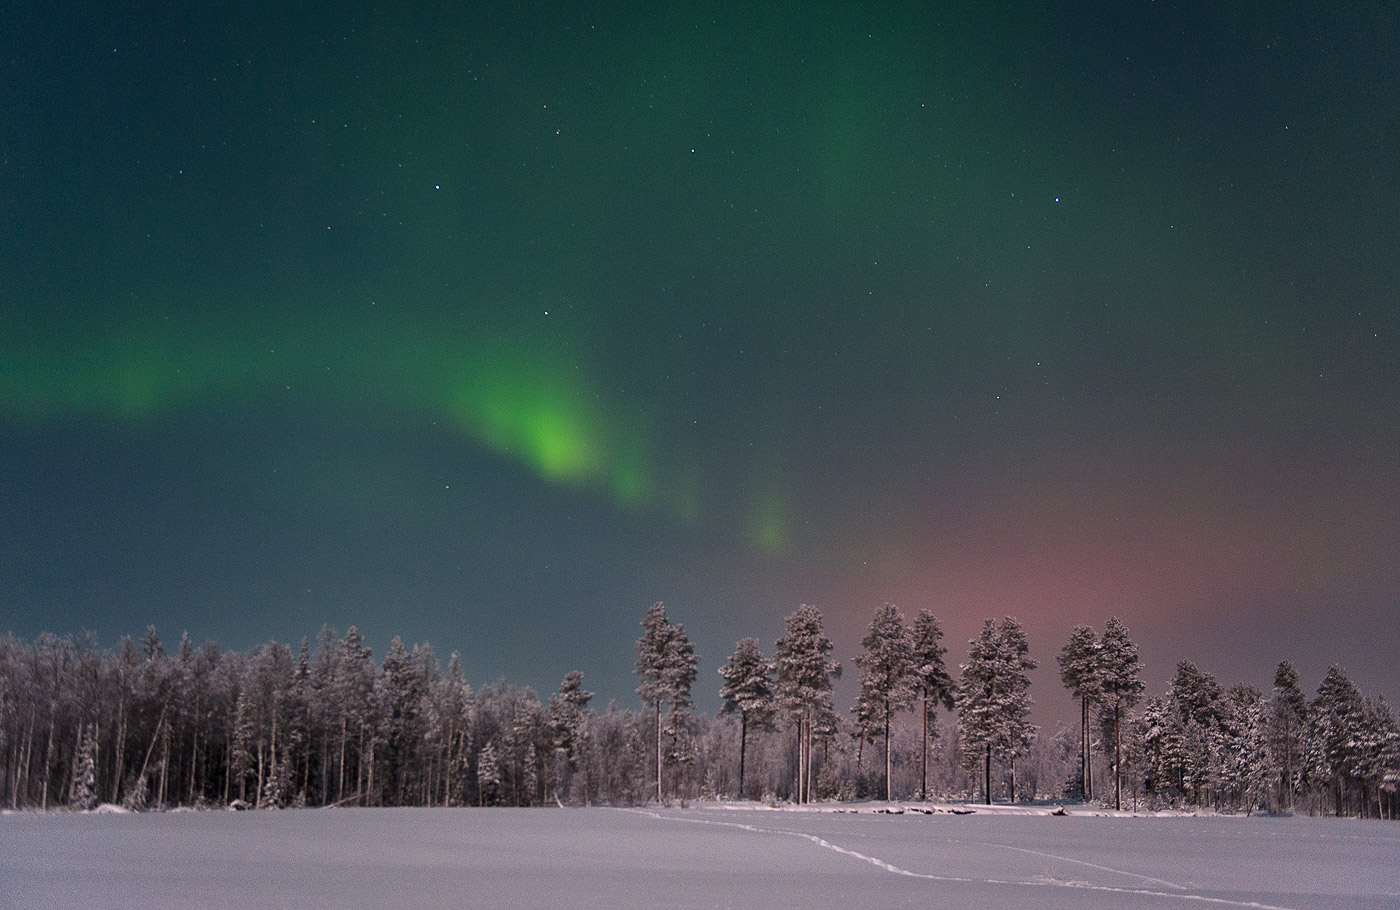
329,725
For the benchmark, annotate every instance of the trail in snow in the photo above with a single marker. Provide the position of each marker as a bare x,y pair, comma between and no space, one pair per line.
1066,859
881,864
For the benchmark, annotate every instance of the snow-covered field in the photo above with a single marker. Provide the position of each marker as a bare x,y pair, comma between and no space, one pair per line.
706,856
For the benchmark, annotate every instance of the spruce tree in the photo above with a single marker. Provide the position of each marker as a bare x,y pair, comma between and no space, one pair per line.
1288,717
488,775
83,794
1377,768
1333,727
748,691
568,720
1196,700
866,724
994,700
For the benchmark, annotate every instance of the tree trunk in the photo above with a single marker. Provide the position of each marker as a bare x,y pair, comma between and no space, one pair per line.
923,758
809,757
262,766
658,751
48,757
369,777
987,776
1085,759
22,781
889,763
1117,761
119,758
160,725
340,765
164,768
194,754
743,742
801,770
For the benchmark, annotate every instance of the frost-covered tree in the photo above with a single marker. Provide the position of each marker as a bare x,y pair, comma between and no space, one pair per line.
451,721
932,683
1196,700
1239,763
1333,728
568,721
666,665
1287,724
1119,675
408,678
1196,694
1079,665
83,794
1377,767
865,726
994,700
747,691
352,693
488,775
804,671
887,674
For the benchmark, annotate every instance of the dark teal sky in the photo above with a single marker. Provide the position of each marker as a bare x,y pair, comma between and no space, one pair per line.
490,327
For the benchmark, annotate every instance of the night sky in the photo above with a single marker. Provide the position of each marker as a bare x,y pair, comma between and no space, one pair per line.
491,326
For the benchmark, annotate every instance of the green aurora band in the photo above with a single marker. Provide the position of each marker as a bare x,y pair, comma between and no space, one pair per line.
522,397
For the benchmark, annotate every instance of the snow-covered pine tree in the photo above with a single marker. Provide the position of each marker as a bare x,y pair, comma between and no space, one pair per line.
1119,676
1197,694
83,794
804,672
488,775
568,721
1239,769
1287,724
931,680
748,691
1334,725
1079,664
1378,757
1196,698
866,724
994,700
454,699
352,692
887,674
241,744
666,665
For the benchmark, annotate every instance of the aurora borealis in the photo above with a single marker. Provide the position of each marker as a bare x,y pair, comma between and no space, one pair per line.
489,327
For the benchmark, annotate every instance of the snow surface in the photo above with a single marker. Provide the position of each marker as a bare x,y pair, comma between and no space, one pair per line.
705,856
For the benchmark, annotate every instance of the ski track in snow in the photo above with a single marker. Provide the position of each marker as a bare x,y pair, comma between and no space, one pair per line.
878,863
1065,859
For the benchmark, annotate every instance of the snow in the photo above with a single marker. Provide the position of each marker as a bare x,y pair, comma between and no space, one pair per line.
711,855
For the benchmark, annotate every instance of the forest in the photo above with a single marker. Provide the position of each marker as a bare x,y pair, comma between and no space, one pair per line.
326,724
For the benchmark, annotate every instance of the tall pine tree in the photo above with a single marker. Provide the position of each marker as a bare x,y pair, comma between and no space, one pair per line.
1288,718
994,700
747,691
666,665
887,676
1079,665
804,670
931,681
1120,686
